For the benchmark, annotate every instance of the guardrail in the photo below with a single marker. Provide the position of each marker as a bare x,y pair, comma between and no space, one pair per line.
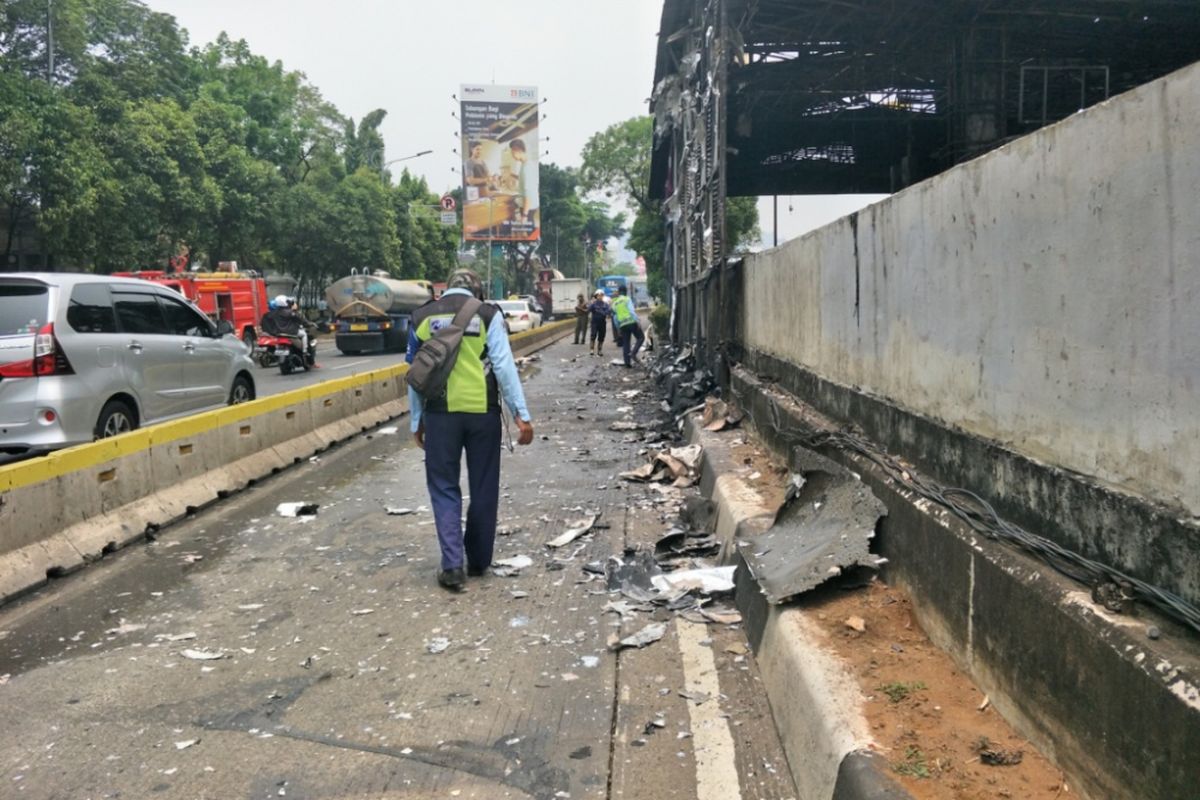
68,508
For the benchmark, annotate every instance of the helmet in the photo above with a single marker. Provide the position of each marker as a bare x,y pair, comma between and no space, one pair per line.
598,293
280,301
466,279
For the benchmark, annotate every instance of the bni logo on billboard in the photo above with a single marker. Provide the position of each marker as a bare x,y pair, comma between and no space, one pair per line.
524,94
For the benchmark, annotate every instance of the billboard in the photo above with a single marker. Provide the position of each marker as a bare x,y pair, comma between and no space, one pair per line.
500,163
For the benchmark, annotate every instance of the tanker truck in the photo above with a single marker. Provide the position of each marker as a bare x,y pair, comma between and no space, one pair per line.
372,311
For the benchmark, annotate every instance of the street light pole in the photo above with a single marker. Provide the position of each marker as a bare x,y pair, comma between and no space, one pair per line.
405,158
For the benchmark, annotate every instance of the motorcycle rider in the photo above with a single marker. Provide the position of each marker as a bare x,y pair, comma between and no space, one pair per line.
284,320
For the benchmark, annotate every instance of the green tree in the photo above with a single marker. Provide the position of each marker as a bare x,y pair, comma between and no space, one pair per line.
427,247
568,221
616,161
364,144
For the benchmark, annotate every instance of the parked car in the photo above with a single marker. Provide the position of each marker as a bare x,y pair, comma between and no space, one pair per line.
536,306
84,357
519,315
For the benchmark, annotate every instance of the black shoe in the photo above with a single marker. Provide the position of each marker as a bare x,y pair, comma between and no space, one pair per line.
452,579
477,572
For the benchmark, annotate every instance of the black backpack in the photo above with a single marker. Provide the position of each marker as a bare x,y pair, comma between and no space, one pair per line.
431,366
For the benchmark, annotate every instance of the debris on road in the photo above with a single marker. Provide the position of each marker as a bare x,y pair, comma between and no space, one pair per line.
297,509
203,655
125,627
360,612
711,579
400,512
184,745
824,526
576,530
510,567
679,465
438,644
647,635
626,425
719,415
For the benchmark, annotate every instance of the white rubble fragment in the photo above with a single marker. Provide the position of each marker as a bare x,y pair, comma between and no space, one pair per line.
399,512
203,655
438,644
176,637
712,579
389,431
518,562
296,509
572,533
184,745
125,627
360,612
647,635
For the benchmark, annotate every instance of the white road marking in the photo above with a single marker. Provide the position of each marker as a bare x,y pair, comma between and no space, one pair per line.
716,769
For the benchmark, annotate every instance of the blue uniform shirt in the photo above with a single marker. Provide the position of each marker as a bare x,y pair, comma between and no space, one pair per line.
504,366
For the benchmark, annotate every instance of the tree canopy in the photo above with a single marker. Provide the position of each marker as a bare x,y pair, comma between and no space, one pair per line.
616,162
122,148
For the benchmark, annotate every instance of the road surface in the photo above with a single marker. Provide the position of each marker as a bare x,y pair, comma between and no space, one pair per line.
247,655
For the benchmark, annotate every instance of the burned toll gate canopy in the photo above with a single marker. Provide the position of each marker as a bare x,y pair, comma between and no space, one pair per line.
858,96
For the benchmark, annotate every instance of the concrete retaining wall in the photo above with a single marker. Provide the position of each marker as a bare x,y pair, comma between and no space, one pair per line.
68,508
1046,295
1025,325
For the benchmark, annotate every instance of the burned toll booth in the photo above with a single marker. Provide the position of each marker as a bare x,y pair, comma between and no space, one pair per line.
771,97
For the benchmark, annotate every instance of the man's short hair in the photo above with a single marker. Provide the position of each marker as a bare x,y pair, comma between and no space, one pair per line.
622,290
517,144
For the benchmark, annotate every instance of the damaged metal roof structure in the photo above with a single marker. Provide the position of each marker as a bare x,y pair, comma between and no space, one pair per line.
769,97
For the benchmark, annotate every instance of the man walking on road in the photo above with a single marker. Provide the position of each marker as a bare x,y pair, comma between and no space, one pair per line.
599,311
626,322
581,320
466,417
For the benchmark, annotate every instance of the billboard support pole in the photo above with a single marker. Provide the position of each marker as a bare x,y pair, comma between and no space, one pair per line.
491,205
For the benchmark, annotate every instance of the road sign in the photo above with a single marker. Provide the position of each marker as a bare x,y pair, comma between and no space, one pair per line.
447,203
449,217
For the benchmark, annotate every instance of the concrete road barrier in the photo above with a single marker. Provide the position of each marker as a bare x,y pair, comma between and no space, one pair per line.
61,511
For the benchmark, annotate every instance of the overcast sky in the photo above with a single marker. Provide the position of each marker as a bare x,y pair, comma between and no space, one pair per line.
593,64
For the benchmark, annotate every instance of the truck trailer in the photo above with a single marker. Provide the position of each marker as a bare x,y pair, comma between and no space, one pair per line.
372,312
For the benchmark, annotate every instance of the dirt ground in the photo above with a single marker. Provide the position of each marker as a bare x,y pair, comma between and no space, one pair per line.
929,720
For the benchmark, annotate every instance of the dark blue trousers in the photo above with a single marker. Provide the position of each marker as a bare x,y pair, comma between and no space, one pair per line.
446,436
627,334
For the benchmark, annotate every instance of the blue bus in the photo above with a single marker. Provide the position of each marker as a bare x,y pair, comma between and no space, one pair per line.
609,284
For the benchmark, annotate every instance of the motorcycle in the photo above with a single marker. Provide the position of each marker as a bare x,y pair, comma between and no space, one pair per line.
263,352
286,352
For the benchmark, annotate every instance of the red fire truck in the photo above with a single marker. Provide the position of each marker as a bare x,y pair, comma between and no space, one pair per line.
240,297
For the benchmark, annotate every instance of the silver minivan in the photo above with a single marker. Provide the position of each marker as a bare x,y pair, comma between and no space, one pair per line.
83,357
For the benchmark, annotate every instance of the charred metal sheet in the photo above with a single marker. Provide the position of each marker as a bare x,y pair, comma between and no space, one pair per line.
825,526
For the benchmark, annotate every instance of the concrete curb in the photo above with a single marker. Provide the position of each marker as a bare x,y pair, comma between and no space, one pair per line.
65,510
815,703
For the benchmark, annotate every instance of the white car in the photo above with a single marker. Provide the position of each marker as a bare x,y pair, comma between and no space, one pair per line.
519,315
83,357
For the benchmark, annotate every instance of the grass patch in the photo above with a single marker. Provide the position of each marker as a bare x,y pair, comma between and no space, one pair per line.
913,765
897,691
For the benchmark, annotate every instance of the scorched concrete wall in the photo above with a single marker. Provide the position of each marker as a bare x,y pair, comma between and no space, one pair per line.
1044,296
